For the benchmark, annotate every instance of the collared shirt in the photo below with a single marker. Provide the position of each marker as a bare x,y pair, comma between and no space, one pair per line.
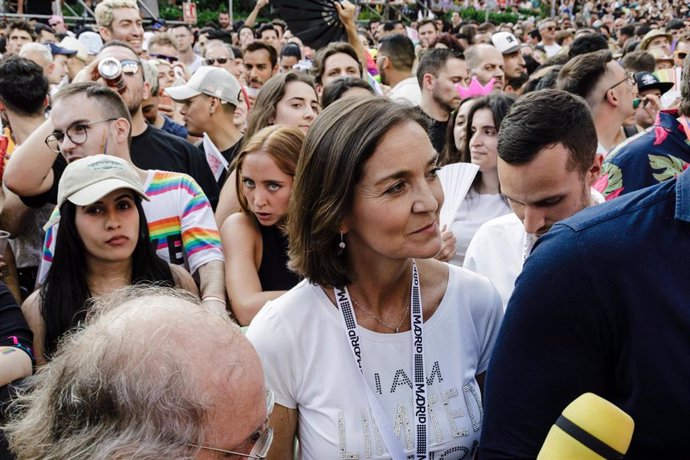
653,156
602,306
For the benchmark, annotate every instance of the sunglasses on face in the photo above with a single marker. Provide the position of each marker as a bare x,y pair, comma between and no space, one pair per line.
129,67
680,55
163,57
211,61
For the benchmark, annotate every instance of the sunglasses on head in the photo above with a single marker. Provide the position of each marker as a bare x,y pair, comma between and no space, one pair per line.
163,57
211,61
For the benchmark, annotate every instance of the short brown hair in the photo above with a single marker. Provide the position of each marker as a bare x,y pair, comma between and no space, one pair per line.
581,74
336,150
282,143
324,53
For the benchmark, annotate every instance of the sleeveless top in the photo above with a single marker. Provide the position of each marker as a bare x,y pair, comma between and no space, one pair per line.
273,272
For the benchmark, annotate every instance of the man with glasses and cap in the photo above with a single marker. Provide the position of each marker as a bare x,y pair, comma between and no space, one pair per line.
193,386
608,90
647,105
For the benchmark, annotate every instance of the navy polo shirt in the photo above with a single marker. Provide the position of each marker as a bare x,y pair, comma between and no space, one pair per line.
602,306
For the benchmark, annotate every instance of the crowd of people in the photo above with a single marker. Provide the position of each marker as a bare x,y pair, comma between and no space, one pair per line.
421,241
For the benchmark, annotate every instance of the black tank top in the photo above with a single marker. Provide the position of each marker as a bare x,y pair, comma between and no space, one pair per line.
273,272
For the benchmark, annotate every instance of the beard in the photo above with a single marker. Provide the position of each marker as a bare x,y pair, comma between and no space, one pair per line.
447,106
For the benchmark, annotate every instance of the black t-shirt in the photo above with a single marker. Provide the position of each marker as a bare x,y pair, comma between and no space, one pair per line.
12,322
437,131
50,196
229,154
156,149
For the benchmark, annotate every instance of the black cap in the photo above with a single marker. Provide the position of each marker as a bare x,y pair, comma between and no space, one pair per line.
646,80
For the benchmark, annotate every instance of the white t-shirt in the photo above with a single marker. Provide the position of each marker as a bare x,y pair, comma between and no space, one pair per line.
475,210
308,363
497,251
407,91
552,50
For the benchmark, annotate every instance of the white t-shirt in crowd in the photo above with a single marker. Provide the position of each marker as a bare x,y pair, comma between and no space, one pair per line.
407,91
551,50
476,209
309,364
497,251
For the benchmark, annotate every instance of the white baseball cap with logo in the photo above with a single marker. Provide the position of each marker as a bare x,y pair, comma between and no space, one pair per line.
211,81
505,42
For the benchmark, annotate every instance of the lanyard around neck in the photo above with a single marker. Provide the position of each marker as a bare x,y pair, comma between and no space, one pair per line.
393,444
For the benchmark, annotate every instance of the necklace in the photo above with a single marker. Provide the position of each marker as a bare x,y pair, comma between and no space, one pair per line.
396,329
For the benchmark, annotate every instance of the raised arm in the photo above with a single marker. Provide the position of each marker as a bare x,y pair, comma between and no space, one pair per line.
251,19
30,169
347,12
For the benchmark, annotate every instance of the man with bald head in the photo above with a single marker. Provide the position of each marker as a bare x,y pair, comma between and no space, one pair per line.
175,380
486,62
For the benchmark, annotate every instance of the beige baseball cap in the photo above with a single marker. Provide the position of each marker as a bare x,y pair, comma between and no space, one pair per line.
73,44
89,179
211,81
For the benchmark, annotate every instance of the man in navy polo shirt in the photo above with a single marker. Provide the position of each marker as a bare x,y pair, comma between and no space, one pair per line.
603,306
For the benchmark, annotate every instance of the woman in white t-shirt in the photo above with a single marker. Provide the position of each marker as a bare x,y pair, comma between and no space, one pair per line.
352,377
484,201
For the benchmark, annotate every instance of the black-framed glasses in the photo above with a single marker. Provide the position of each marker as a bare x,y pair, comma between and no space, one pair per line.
77,133
261,438
163,57
629,78
211,61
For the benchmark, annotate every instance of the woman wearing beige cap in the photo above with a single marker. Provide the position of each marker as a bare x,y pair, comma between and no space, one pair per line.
102,244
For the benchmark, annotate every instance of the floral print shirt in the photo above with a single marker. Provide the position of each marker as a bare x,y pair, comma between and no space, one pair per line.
660,153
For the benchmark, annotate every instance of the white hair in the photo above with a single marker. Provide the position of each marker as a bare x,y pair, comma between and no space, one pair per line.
37,48
135,382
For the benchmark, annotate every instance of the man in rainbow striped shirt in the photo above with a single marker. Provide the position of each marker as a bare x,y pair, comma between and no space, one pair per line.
180,218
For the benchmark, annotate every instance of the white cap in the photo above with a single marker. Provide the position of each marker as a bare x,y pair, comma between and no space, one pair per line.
505,42
92,41
73,44
211,81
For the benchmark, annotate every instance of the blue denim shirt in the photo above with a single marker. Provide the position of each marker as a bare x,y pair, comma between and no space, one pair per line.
602,305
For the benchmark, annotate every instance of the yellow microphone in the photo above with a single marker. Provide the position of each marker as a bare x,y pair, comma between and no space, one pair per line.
589,428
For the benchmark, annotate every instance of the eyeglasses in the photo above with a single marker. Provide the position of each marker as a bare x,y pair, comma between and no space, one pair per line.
680,55
163,57
75,133
211,61
630,79
261,438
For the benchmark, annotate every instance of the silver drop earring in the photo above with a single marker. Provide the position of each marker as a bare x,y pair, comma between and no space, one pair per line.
341,245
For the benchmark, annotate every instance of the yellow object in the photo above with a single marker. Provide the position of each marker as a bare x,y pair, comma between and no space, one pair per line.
596,416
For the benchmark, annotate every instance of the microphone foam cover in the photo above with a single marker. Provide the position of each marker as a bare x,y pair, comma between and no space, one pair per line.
611,428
